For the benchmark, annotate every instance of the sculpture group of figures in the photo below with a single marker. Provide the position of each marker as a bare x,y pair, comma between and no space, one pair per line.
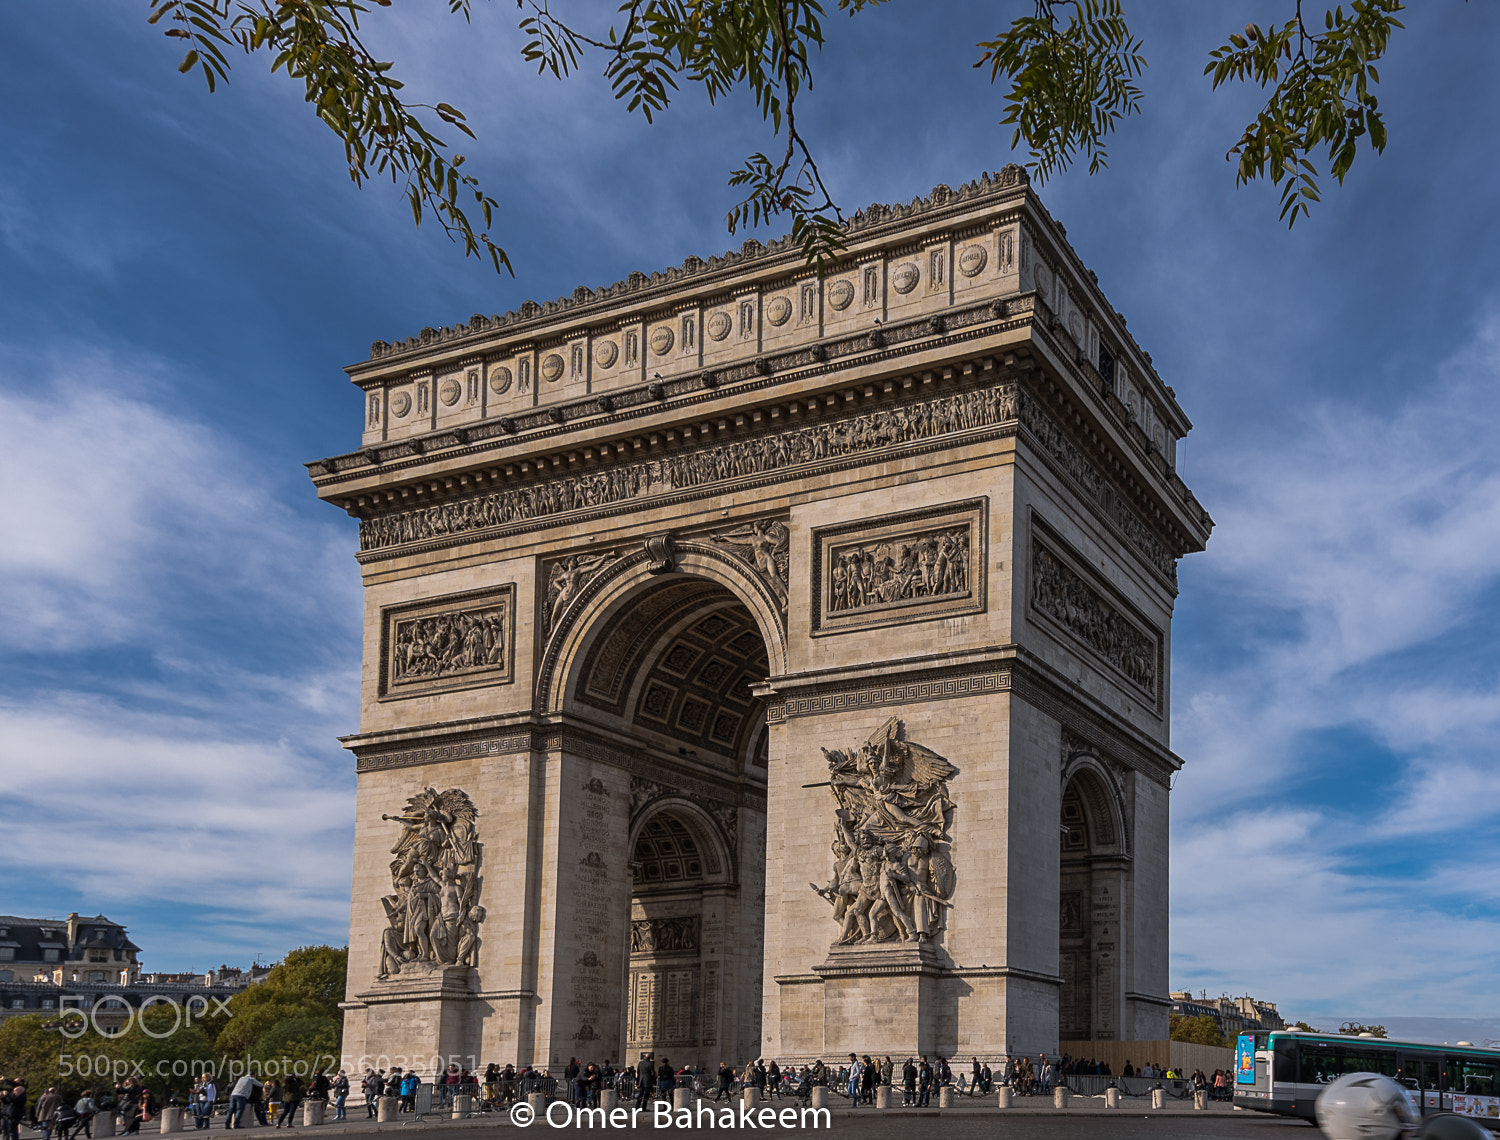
867,431
1057,591
434,912
931,565
448,643
892,876
664,935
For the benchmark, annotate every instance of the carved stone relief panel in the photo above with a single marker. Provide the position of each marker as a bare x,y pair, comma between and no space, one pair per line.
914,566
1064,594
433,913
454,642
892,869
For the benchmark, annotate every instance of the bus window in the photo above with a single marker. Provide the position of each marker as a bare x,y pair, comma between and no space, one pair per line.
1421,1073
1284,1062
1471,1076
1322,1064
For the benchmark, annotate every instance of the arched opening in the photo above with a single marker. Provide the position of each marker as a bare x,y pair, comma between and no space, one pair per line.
671,663
1091,924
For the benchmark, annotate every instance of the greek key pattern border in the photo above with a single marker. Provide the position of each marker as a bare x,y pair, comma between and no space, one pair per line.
440,753
857,697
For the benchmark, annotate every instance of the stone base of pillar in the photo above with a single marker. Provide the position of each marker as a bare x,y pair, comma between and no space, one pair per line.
882,1096
312,1112
1111,1098
945,1096
1200,1099
387,1110
104,1123
463,1104
682,1097
751,1097
1002,1097
608,1099
1060,1096
1158,1098
819,1096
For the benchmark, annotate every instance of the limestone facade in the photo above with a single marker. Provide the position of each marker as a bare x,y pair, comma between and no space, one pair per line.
635,559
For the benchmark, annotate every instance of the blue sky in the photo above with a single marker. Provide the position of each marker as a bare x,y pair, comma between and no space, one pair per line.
183,275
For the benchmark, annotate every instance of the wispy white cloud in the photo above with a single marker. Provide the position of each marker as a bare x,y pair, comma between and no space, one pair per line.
115,507
1349,543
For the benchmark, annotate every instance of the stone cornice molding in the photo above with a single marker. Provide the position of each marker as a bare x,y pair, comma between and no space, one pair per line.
830,358
1000,669
465,740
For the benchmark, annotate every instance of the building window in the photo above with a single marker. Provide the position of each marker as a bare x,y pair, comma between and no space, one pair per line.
46,1003
7,953
98,955
1106,368
49,956
6,976
97,976
17,1003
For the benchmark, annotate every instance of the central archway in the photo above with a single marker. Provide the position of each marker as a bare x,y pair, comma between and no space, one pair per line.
669,662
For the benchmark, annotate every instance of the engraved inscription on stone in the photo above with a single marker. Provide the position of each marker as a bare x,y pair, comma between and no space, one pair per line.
1060,593
448,642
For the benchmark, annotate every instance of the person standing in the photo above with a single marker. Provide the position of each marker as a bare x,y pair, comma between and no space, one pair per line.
666,1080
855,1085
908,1084
924,1084
272,1094
726,1083
45,1112
292,1093
340,1095
645,1080
372,1085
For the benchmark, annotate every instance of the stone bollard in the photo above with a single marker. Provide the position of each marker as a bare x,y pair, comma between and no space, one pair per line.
1200,1099
1111,1097
104,1123
608,1099
538,1101
945,1096
1158,1098
1003,1097
312,1112
882,1096
682,1097
387,1110
751,1099
819,1096
1061,1095
463,1104
171,1120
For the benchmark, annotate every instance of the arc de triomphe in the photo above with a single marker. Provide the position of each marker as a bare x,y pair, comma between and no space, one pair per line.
764,665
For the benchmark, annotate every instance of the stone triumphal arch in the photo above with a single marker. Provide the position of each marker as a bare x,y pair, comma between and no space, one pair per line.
759,664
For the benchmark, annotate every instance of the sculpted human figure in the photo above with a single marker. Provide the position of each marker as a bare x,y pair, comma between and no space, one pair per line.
435,876
892,877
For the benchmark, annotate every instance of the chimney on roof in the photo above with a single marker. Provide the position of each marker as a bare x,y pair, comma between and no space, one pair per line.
72,930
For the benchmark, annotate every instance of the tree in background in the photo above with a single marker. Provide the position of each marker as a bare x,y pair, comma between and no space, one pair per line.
293,1013
1199,1030
1070,69
1355,1029
1304,1027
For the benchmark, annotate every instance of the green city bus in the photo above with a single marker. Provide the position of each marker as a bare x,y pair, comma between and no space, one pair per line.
1282,1071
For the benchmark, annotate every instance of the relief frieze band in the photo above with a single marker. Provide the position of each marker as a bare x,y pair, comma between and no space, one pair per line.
789,451
446,643
914,566
1130,644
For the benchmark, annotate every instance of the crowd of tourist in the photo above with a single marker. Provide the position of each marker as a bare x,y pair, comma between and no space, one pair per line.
274,1103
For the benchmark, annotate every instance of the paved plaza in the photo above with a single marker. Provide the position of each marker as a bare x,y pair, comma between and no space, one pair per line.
1027,1123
